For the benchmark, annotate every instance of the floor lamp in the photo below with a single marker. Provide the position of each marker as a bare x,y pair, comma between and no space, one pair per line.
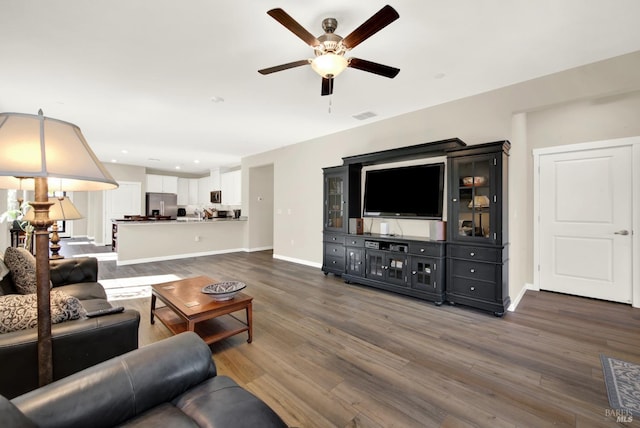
61,209
33,150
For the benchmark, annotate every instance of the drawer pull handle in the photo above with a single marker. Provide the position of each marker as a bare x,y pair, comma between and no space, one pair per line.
473,288
422,250
472,254
413,272
472,270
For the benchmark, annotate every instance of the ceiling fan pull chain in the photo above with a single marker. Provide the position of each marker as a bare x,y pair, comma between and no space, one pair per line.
330,102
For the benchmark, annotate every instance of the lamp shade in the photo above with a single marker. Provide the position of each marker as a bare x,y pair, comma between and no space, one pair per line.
479,201
62,209
329,64
37,146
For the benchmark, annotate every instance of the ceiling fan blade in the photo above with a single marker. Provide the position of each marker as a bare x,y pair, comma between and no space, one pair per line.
285,19
327,86
374,67
377,22
284,66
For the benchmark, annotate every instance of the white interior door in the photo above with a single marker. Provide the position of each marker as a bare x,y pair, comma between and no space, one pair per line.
125,200
585,206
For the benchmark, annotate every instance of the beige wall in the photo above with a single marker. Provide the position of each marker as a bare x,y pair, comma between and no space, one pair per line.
259,206
547,111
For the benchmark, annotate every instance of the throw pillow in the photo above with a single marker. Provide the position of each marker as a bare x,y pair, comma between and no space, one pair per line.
22,265
20,311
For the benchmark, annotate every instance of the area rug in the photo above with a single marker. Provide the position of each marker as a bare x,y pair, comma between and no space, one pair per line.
133,287
622,380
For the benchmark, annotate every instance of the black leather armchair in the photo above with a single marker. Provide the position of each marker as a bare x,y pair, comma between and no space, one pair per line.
76,344
170,383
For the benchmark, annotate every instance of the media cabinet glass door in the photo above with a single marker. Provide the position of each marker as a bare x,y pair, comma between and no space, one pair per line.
335,205
473,198
386,266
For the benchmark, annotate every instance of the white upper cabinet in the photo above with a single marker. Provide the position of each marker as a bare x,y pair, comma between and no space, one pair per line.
183,191
204,190
162,183
187,191
231,186
193,191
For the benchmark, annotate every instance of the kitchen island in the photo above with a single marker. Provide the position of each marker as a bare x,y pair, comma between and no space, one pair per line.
157,240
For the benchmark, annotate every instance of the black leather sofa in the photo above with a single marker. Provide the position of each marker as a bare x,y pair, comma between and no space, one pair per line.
171,383
77,344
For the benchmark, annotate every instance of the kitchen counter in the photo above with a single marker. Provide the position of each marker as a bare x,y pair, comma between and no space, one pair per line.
177,220
142,241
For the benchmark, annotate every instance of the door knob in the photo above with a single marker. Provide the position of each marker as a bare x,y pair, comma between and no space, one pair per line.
621,232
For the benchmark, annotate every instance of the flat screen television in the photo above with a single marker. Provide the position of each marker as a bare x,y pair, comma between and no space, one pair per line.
411,191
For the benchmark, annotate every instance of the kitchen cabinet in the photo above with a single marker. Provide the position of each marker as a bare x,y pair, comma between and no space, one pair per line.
162,183
231,186
187,191
204,190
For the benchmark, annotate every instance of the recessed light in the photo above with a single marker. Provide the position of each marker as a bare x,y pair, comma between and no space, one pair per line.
114,161
196,161
124,151
178,167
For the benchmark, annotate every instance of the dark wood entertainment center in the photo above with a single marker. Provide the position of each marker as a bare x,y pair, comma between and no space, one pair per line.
469,268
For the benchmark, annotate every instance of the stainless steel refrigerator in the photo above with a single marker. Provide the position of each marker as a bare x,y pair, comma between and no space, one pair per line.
162,204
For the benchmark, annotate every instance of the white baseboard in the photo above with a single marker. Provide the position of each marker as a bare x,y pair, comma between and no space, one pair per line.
516,301
298,261
178,256
251,250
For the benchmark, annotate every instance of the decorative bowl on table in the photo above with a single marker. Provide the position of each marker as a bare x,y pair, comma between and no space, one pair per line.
225,290
473,181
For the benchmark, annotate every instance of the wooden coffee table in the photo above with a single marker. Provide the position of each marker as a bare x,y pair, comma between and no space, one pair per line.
189,309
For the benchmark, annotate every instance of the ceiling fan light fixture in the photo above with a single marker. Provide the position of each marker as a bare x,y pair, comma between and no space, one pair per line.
329,65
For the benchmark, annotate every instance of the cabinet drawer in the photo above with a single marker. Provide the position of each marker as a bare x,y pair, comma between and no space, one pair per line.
473,288
474,270
336,250
334,237
493,255
424,249
354,241
334,263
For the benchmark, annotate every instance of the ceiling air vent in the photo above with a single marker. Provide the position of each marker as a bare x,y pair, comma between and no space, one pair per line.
364,115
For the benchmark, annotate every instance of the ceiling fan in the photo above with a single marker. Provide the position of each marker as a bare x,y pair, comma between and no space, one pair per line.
330,48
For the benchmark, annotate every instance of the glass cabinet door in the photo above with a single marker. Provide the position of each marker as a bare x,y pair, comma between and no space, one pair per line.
473,198
334,202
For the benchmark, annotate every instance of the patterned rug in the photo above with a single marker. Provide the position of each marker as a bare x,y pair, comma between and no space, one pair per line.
622,380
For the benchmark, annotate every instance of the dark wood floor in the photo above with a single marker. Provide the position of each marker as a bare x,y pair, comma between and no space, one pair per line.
328,354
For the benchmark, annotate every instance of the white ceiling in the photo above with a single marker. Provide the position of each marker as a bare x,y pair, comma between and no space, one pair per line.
139,75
